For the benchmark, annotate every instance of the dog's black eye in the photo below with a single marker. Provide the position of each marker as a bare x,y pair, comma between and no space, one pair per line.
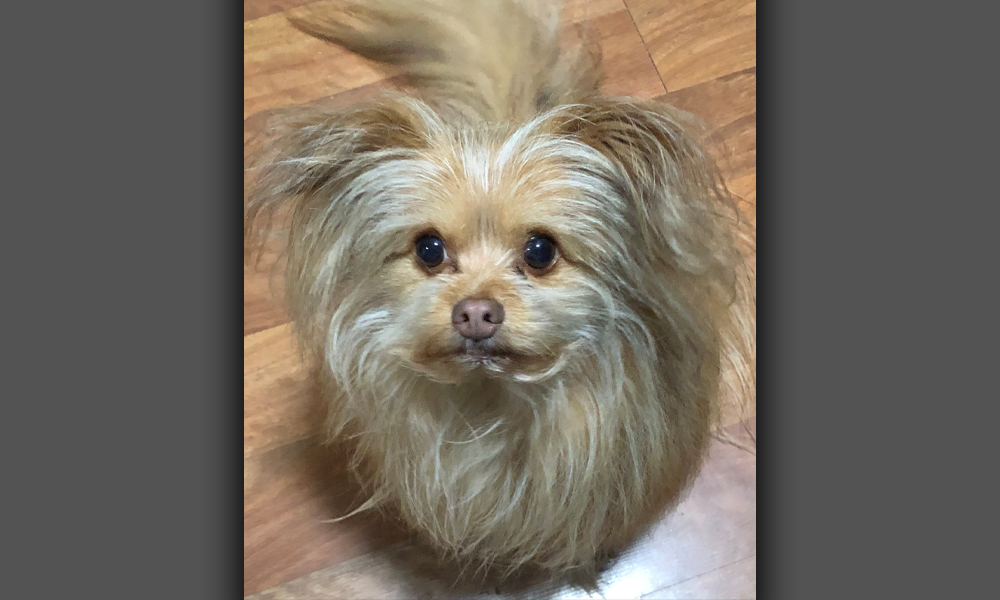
540,252
430,250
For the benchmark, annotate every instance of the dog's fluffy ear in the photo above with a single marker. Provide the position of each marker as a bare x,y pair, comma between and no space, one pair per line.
680,201
306,150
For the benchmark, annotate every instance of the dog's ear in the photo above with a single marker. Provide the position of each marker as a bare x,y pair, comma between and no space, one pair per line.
303,151
676,195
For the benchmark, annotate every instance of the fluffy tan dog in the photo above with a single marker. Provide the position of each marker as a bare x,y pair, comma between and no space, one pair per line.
527,301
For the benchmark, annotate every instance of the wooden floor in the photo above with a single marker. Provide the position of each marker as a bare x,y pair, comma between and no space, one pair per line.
699,55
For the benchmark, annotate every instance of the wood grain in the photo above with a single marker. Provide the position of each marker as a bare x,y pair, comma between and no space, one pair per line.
254,9
628,68
279,403
288,494
262,284
694,41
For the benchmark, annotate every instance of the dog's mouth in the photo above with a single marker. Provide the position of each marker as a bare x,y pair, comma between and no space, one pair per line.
488,354
483,352
487,357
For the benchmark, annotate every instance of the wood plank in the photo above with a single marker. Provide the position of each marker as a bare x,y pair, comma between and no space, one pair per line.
694,41
627,66
255,9
280,404
577,11
261,309
721,101
287,494
262,290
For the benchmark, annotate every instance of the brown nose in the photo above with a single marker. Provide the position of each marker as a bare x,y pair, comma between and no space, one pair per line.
477,318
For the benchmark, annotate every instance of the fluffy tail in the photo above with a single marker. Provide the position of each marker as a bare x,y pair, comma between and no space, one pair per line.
491,59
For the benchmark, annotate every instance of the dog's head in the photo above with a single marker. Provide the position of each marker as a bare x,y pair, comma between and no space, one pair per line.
595,231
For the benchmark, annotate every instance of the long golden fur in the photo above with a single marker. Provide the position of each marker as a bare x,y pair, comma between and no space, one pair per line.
592,406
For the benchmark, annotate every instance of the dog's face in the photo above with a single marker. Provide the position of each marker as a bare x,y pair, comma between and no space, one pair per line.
507,254
498,261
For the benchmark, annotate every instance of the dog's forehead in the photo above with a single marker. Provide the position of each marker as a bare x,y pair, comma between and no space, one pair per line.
492,195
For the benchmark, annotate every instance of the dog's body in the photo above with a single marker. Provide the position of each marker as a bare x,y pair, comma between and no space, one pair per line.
526,300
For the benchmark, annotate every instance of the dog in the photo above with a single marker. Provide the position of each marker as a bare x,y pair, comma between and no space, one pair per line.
527,303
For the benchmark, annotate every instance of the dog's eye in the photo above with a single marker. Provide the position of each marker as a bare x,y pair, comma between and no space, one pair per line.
430,250
540,253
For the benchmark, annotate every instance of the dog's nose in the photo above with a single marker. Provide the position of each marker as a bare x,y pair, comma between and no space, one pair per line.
477,318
